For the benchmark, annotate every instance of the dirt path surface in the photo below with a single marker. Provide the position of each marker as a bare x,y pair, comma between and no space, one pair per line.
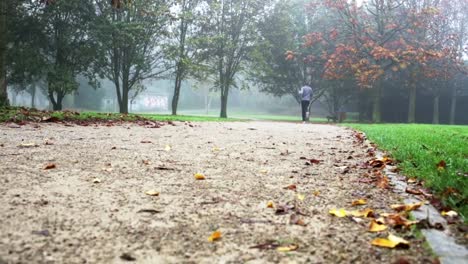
62,216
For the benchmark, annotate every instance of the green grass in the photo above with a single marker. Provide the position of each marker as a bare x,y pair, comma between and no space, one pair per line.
419,148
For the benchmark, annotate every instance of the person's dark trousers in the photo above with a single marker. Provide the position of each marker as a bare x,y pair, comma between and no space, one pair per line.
305,108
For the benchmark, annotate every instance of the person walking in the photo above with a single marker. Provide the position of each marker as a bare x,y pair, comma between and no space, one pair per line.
306,96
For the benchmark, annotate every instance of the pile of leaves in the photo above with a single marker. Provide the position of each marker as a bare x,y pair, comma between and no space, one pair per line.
22,116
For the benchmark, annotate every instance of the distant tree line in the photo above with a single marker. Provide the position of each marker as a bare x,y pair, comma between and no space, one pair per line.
361,56
358,57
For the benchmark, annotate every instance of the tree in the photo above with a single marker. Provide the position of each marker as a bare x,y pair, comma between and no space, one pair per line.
184,51
67,49
231,31
130,36
3,33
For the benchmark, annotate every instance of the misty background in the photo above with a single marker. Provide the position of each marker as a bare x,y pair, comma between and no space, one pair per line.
377,61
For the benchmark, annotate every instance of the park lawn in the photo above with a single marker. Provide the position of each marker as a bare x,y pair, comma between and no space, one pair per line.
420,148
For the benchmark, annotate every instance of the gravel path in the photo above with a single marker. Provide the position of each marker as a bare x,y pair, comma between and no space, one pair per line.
89,208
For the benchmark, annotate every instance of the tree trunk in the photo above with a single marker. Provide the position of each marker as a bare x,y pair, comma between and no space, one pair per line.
33,96
412,104
175,98
453,105
3,80
376,102
224,101
435,116
123,104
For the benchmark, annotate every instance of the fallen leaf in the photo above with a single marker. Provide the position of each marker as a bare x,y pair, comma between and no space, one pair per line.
391,242
268,245
270,204
149,211
413,191
412,180
152,193
215,236
50,166
316,193
145,142
28,145
449,213
376,227
406,207
296,220
338,212
363,213
397,220
359,202
167,148
146,162
215,149
263,171
199,176
127,257
291,187
442,165
163,168
96,180
288,248
301,197
314,161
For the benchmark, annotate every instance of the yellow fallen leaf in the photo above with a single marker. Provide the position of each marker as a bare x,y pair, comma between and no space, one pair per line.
215,236
450,213
376,227
406,207
270,204
167,148
288,248
28,145
152,193
263,171
359,202
301,197
96,180
390,242
363,213
338,213
412,180
199,176
215,149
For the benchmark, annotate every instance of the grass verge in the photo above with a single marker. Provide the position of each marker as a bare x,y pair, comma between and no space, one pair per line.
419,149
19,114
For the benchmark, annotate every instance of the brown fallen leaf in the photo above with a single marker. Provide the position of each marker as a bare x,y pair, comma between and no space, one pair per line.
127,257
149,211
413,191
359,202
412,180
376,227
391,242
442,165
215,236
397,220
316,193
314,161
406,207
383,182
288,248
267,246
50,166
296,220
146,162
291,187
146,142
